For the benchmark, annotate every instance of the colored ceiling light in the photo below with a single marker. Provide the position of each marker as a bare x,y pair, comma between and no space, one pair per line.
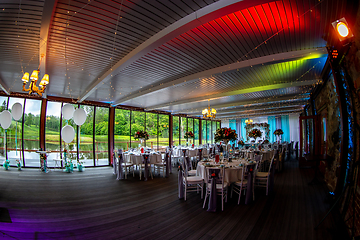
33,89
342,29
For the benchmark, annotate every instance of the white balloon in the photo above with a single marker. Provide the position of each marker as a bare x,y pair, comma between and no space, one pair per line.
67,133
67,111
5,119
16,111
79,116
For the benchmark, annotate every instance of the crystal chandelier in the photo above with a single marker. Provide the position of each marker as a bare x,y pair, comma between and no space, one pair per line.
34,78
248,121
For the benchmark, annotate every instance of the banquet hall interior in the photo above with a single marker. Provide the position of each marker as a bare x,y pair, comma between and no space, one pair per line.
179,119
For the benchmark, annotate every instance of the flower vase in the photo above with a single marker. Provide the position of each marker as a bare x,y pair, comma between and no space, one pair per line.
18,166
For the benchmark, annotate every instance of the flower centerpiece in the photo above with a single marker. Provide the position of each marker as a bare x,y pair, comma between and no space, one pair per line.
225,134
18,164
142,135
255,133
241,143
188,135
278,132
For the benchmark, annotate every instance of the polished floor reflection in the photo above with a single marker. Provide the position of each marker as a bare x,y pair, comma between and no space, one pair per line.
93,205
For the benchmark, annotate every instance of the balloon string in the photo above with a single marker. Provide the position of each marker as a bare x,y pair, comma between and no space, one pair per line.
16,139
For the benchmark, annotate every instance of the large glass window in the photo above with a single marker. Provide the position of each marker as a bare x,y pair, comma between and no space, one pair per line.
203,132
3,106
137,124
151,129
72,146
190,127
183,129
101,136
86,144
176,131
213,131
208,136
31,133
163,132
52,130
13,135
122,129
196,131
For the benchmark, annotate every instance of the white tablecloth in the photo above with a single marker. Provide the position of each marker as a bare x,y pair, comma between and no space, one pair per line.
232,170
137,158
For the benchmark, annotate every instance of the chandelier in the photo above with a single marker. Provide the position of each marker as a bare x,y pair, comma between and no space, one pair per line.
34,78
248,121
209,113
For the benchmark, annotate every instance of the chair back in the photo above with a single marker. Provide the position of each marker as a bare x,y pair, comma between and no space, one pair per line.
217,173
271,163
258,159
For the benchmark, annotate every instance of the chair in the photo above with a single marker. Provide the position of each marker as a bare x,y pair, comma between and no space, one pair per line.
239,186
258,160
221,186
126,165
161,166
191,183
262,178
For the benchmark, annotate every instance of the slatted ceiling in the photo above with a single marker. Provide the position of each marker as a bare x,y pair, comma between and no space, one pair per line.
244,78
211,45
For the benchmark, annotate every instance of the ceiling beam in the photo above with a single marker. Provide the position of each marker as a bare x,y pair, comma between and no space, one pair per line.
258,106
46,20
261,111
237,92
273,113
275,58
259,101
195,19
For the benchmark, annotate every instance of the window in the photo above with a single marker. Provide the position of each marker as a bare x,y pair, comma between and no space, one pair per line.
122,129
86,143
3,106
203,132
176,131
14,137
151,129
163,131
101,136
213,124
52,130
137,124
72,146
190,127
196,131
208,130
183,129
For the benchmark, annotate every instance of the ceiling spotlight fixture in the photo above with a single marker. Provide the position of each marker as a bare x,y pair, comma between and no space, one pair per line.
209,113
342,29
248,121
34,78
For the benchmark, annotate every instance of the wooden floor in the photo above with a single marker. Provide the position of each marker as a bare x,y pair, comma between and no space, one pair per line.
93,205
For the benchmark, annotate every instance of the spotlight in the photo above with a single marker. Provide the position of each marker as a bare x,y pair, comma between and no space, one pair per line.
342,29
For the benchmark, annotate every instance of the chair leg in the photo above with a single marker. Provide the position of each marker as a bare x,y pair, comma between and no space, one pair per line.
206,194
185,192
240,194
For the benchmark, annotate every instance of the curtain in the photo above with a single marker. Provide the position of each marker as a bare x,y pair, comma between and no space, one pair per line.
232,125
294,128
272,128
243,130
278,122
286,128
